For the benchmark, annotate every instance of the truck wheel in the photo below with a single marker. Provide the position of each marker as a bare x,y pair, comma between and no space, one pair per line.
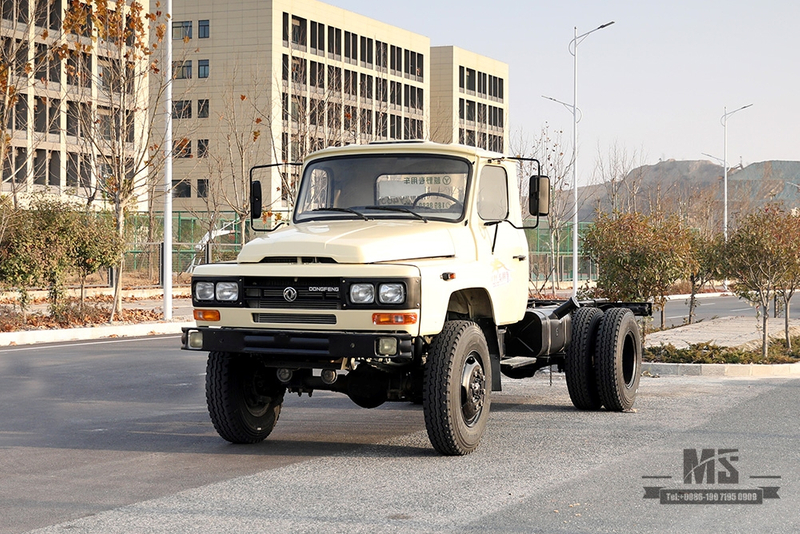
244,398
457,384
618,359
579,361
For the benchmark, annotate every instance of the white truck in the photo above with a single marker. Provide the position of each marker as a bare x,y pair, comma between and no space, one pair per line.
402,276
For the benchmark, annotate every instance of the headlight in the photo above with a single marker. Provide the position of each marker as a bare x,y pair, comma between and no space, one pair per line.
362,293
204,291
227,291
391,293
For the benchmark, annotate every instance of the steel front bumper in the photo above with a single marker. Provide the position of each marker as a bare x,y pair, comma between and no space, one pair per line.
298,346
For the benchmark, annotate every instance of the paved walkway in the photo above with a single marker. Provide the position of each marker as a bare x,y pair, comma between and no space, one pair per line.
725,332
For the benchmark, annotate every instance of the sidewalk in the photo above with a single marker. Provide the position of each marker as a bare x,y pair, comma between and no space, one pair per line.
726,332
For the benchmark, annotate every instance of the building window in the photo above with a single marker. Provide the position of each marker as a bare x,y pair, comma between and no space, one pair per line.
299,31
350,47
413,65
182,109
366,87
202,188
334,43
181,189
381,92
181,30
182,70
334,79
299,70
202,148
317,75
318,38
182,148
203,29
54,169
470,79
202,108
381,54
202,68
366,52
395,60
350,82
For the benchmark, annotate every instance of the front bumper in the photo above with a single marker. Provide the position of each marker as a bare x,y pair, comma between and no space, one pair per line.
288,347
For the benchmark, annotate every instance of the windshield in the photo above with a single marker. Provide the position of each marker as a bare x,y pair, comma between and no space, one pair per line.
387,186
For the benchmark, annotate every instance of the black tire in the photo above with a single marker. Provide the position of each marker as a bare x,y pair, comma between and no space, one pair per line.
244,398
579,361
457,385
618,359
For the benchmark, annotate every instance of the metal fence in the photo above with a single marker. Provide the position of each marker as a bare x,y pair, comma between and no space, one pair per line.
194,244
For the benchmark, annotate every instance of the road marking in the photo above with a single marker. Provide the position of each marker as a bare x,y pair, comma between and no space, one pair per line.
742,309
87,342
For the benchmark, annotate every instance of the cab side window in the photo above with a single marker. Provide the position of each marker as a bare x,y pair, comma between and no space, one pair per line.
493,193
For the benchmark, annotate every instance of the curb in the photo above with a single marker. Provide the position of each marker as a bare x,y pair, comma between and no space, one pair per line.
28,337
721,369
700,295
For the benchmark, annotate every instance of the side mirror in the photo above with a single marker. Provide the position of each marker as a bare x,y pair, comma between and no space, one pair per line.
255,200
539,196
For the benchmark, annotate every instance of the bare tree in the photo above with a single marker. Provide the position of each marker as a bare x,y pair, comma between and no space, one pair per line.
548,148
113,107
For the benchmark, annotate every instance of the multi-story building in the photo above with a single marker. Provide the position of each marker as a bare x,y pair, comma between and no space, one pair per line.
468,100
69,98
266,81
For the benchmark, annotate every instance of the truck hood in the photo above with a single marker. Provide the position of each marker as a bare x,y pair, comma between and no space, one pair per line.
354,241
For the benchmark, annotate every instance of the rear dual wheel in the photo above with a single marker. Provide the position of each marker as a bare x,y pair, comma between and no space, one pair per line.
604,359
618,359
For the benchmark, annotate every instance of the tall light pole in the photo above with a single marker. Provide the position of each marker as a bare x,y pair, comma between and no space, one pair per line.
724,121
573,49
166,259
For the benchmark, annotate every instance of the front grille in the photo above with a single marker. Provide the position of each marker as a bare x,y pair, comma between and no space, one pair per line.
310,293
305,318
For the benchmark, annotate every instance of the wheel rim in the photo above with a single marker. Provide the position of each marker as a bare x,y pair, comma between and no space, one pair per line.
629,360
255,403
473,390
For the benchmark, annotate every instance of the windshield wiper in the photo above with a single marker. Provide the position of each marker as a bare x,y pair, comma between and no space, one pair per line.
344,210
400,209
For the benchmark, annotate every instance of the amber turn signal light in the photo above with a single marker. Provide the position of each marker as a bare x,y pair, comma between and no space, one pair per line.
206,315
394,318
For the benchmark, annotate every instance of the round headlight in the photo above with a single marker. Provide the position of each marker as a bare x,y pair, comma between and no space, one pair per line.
227,291
362,293
204,291
391,293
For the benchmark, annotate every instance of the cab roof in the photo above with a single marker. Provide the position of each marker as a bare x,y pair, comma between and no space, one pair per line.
394,147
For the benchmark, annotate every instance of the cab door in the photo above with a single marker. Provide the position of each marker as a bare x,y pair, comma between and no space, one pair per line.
502,248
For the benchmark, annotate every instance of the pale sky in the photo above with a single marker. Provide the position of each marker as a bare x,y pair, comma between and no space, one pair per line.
655,82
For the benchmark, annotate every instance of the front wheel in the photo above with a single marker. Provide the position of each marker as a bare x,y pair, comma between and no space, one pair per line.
457,385
244,398
618,359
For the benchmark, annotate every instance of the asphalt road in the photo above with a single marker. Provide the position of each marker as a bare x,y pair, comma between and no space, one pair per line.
677,310
113,436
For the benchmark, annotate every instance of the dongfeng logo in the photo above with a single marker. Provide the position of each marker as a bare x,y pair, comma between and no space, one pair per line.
290,294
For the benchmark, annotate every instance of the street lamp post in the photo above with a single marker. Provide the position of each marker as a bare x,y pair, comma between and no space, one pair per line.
166,257
724,121
573,49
